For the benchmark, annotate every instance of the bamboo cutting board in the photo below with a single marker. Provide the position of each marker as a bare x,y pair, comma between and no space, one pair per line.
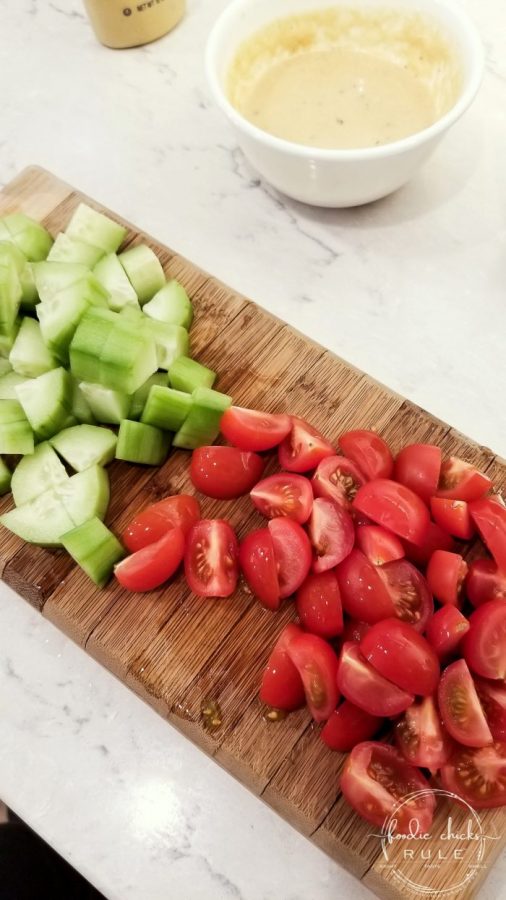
181,653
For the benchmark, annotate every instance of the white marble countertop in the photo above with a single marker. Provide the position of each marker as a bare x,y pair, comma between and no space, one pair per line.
411,289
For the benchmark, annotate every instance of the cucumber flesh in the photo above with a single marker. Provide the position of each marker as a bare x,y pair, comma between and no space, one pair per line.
51,277
202,425
8,384
47,401
60,315
95,549
106,405
140,396
80,407
140,443
10,295
166,408
42,521
112,276
29,355
88,341
171,341
85,445
187,374
29,236
85,495
36,473
128,357
144,271
171,304
66,249
5,366
7,339
5,477
16,435
91,227
29,294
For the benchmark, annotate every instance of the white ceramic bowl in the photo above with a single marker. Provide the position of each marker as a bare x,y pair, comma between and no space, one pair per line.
336,178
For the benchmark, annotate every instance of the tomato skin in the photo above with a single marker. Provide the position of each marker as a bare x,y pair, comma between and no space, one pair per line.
250,429
349,725
484,645
446,574
331,533
151,566
211,559
460,480
460,707
402,656
316,664
363,594
337,478
369,451
225,472
282,686
148,526
319,605
421,737
435,539
284,494
409,593
368,772
490,519
354,630
303,448
292,552
258,565
395,507
379,545
478,776
360,683
445,630
484,581
417,467
453,516
492,696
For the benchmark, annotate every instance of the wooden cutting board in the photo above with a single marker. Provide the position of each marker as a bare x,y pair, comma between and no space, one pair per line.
179,652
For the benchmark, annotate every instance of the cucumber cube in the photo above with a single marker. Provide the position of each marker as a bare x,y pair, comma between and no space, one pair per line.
29,355
113,278
51,277
144,271
107,406
7,339
140,396
187,374
42,521
5,366
202,425
5,477
128,357
171,304
85,445
16,435
9,252
166,408
8,384
85,495
28,235
80,407
10,295
60,315
171,341
95,549
47,401
67,250
140,443
88,341
91,227
36,473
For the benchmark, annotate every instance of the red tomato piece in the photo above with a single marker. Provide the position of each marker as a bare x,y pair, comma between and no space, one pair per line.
316,664
395,507
417,467
453,516
349,725
363,685
303,448
421,737
331,532
446,574
250,429
460,707
489,516
369,451
435,539
376,777
284,494
445,630
484,646
151,566
409,593
337,479
379,545
148,526
319,605
484,581
363,593
282,686
492,696
477,776
211,559
354,630
402,656
259,567
225,472
460,480
292,552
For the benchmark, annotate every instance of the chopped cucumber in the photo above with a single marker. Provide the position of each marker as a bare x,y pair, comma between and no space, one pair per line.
171,304
29,355
92,227
141,394
85,445
5,477
86,345
38,472
107,406
95,549
47,401
8,384
60,315
29,236
51,277
187,374
42,521
202,424
10,295
128,357
80,407
166,408
85,495
16,435
30,296
113,278
9,252
144,271
171,341
5,366
7,339
140,443
66,249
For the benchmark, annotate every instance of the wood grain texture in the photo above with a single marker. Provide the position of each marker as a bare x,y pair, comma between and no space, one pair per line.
178,651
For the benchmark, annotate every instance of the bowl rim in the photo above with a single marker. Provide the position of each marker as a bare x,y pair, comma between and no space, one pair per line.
412,141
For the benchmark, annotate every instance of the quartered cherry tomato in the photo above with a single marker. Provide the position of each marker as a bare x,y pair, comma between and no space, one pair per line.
489,516
445,630
435,539
316,664
446,574
151,566
259,567
460,707
250,429
460,480
363,593
331,532
394,507
211,559
409,593
282,686
303,448
354,630
284,494
369,451
402,656
292,552
484,646
180,511
453,516
477,775
421,736
417,466
337,478
225,472
363,685
347,726
492,696
484,581
379,545
319,605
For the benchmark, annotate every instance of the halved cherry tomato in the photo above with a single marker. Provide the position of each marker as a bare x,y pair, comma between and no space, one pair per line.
379,545
211,559
354,630
460,707
409,593
460,480
250,429
284,494
478,776
225,472
417,466
303,448
148,526
316,664
292,552
363,593
445,630
347,726
453,516
421,737
282,686
402,656
319,605
435,539
338,479
376,777
484,646
492,696
490,518
363,685
446,574
259,567
395,507
484,581
331,532
149,567
369,451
